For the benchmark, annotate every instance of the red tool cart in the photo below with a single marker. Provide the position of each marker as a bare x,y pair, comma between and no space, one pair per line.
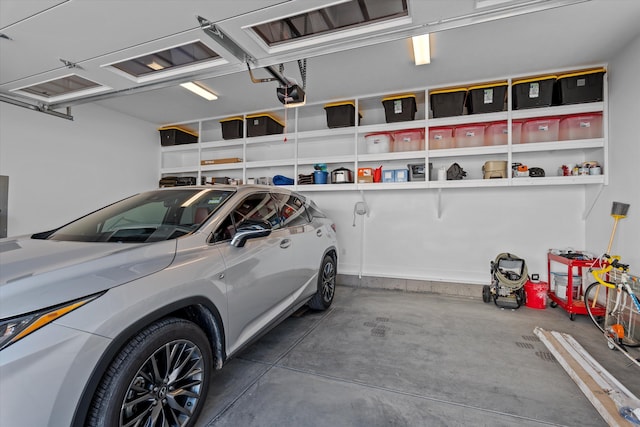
572,301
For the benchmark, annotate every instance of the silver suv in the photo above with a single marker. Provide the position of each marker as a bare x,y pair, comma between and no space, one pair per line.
120,317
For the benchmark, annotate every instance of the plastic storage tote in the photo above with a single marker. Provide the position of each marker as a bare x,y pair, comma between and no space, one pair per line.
448,102
176,135
232,127
401,175
581,126
579,87
540,130
263,124
341,114
380,142
399,108
497,134
408,140
487,98
469,135
441,137
535,92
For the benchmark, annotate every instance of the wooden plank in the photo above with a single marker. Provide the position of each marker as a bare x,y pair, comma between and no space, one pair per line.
598,393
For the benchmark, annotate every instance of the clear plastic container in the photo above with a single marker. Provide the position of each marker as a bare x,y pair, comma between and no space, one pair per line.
540,130
469,135
440,138
378,142
581,126
408,140
497,134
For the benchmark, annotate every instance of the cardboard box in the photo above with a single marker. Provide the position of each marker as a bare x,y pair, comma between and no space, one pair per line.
220,161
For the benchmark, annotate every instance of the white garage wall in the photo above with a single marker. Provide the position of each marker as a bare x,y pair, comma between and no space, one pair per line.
404,238
60,169
624,155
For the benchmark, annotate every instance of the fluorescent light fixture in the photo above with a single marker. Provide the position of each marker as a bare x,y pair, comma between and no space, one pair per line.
200,90
421,49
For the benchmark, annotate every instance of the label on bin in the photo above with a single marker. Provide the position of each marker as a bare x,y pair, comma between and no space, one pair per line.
488,96
534,90
543,128
470,133
585,124
581,82
397,106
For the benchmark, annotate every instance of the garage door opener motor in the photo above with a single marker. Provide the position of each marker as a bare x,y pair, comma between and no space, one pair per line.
508,275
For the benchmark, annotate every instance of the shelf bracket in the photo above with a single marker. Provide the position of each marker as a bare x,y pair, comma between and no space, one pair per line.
588,209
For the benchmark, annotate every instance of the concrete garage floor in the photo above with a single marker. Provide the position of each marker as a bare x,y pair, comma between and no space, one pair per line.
392,358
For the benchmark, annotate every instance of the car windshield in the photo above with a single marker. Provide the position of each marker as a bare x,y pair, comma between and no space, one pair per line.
146,217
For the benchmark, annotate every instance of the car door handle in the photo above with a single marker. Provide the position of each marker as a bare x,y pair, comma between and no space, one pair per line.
319,232
285,243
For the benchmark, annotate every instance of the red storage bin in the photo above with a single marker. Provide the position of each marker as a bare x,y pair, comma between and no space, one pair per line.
497,134
544,129
581,126
441,137
469,135
408,140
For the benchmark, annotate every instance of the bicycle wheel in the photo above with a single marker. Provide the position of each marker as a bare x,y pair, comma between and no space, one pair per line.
595,301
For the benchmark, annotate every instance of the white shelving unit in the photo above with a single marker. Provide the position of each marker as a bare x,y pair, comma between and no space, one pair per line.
310,141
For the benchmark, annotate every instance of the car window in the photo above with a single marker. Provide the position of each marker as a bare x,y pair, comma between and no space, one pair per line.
146,217
292,211
258,206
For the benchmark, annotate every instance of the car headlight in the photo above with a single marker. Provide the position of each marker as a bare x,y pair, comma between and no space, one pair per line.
14,329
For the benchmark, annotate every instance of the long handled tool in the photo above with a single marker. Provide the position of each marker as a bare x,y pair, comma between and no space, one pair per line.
618,211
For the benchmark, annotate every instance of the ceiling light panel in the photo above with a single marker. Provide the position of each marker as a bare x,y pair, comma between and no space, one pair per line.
338,17
59,87
169,59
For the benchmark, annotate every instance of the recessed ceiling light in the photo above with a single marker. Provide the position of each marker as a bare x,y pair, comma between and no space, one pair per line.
175,57
341,16
62,86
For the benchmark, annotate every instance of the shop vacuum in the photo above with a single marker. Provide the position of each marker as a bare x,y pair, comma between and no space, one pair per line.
508,275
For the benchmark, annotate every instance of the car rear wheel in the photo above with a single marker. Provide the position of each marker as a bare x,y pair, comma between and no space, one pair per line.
326,285
161,377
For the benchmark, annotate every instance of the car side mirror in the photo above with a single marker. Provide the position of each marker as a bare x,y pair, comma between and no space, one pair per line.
250,229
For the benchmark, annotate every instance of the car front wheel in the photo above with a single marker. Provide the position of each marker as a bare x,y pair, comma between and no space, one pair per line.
326,285
160,378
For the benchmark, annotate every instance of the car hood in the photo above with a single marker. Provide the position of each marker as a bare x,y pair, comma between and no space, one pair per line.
35,274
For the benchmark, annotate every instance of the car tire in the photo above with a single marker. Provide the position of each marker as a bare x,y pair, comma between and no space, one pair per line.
160,376
326,285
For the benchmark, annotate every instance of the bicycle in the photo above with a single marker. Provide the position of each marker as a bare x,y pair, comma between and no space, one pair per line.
621,324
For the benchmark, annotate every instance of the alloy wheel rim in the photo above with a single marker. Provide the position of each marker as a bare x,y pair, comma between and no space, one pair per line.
166,389
328,281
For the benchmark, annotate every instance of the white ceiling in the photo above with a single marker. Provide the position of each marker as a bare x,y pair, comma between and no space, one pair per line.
92,33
